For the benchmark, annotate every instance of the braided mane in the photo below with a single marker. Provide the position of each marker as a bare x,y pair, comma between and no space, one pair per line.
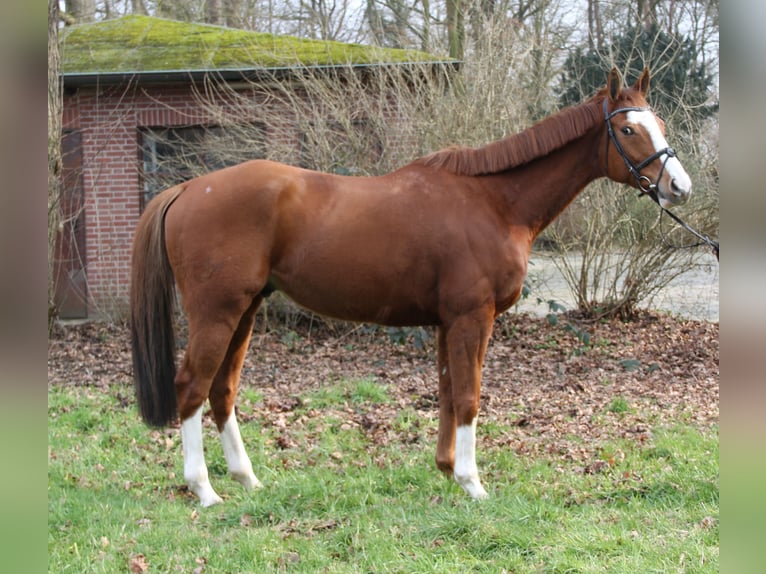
539,140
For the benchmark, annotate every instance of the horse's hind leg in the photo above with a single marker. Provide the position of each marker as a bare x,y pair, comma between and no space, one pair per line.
210,336
223,395
208,343
195,469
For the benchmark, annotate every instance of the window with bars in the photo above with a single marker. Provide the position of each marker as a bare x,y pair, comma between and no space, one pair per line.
169,156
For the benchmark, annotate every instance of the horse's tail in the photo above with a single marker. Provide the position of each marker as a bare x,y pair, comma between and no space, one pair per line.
152,302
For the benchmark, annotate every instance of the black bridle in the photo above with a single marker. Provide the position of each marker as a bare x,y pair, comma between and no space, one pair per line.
644,184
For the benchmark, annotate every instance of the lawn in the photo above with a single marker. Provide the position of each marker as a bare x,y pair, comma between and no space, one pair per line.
349,479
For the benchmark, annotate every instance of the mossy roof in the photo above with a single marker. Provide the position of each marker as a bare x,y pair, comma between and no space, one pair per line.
144,44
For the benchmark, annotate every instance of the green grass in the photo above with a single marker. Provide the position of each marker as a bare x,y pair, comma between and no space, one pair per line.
619,405
344,504
355,392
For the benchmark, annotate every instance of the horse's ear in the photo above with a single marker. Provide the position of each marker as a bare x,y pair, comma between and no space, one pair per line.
642,84
614,84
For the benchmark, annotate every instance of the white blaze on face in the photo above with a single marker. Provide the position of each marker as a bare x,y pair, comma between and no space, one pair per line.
681,181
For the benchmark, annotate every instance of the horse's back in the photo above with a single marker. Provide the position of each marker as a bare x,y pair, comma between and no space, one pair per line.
361,248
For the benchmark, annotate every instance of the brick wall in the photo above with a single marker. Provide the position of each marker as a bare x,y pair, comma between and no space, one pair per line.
110,120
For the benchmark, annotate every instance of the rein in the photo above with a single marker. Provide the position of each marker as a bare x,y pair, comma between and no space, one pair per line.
645,185
704,239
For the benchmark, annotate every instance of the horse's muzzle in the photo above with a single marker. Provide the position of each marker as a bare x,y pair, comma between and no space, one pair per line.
677,193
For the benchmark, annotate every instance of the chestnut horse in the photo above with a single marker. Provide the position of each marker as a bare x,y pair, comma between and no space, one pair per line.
443,241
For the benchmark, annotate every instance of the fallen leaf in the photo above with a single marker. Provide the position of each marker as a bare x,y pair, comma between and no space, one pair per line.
202,561
708,522
289,558
138,564
537,384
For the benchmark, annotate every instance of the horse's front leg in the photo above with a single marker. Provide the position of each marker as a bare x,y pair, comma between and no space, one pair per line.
466,471
466,341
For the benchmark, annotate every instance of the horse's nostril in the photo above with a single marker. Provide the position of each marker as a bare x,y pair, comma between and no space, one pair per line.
674,186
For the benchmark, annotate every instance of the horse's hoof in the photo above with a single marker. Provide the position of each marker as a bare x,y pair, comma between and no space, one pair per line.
210,500
207,496
472,487
249,481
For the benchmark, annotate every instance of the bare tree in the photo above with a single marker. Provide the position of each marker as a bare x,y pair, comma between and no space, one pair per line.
138,7
81,10
325,19
54,150
646,10
232,13
455,28
595,31
214,12
224,13
397,23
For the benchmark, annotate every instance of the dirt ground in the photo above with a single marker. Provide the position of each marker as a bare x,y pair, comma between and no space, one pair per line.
552,394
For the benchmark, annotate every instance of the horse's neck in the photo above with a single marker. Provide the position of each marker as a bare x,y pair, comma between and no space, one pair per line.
539,191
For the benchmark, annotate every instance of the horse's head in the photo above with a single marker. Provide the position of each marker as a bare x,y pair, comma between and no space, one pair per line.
636,150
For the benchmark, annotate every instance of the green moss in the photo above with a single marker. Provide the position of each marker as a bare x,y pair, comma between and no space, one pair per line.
144,44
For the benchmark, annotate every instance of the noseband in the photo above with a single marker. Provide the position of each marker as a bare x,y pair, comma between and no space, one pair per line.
643,182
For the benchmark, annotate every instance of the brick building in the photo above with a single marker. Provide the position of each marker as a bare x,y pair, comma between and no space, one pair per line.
133,84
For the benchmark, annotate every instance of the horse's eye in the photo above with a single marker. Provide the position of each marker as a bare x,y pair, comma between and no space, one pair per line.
628,131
